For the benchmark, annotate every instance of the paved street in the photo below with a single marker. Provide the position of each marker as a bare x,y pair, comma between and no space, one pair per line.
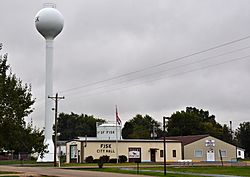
50,171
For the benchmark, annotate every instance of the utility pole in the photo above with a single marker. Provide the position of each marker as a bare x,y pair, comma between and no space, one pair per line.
164,144
56,98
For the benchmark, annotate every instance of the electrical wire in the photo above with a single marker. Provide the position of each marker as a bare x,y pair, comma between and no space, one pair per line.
157,65
169,76
173,68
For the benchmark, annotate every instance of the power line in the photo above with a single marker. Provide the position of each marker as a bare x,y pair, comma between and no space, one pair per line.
174,68
170,76
157,65
162,71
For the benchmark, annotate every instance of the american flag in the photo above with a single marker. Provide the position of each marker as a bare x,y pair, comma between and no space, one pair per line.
118,120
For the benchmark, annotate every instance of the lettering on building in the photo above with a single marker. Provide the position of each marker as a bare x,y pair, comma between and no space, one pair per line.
106,132
105,148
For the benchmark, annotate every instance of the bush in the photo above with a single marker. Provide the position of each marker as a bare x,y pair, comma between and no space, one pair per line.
113,160
33,158
63,158
95,160
104,159
122,158
89,159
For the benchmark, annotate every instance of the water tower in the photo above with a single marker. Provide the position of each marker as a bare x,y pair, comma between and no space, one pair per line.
49,23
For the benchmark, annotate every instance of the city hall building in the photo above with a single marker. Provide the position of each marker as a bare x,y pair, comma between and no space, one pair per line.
109,142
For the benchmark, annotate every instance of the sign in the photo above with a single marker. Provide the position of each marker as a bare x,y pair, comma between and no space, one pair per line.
134,154
106,132
105,148
210,143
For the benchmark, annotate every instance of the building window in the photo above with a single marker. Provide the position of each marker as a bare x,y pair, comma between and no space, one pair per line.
161,153
239,153
174,153
198,153
73,151
223,153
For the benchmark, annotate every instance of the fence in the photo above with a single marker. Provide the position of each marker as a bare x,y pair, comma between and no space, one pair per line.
11,156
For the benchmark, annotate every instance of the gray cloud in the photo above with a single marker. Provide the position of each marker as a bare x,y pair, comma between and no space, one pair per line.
104,39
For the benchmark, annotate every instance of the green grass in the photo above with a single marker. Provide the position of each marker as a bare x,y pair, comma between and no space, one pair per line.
12,162
238,171
95,164
117,170
113,167
6,172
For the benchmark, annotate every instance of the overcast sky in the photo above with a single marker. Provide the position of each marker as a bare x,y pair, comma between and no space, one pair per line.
121,52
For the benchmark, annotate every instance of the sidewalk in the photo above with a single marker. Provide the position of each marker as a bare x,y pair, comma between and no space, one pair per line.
51,171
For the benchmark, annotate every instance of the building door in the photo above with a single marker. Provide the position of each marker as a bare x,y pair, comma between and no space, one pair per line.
210,156
73,154
152,155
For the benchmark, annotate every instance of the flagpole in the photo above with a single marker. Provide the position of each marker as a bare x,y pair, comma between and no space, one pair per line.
116,134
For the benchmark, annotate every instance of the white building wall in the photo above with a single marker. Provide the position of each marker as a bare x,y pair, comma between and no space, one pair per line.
108,132
96,149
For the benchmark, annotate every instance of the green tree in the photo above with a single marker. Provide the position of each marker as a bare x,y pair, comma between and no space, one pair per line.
194,122
242,135
141,127
16,103
73,125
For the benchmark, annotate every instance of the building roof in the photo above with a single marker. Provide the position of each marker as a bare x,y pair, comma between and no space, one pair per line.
125,140
239,148
187,139
108,125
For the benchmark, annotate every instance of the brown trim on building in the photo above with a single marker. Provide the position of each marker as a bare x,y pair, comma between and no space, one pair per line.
187,139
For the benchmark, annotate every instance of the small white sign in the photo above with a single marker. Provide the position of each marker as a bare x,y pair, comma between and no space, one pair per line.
210,143
134,154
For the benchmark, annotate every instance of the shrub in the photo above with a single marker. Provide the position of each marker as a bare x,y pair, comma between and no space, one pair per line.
112,160
104,159
33,158
95,160
63,158
122,158
89,159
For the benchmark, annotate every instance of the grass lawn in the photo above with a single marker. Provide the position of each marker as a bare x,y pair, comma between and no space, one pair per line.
117,170
95,164
11,162
238,171
110,167
4,172
7,174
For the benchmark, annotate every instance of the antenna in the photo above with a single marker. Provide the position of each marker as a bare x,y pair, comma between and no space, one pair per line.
52,5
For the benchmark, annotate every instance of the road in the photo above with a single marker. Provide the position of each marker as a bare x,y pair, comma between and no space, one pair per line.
51,171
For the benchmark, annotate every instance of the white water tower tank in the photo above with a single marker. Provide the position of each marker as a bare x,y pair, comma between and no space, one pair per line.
49,22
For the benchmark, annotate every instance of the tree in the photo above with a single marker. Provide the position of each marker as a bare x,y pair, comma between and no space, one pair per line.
16,103
242,135
73,125
194,122
141,127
